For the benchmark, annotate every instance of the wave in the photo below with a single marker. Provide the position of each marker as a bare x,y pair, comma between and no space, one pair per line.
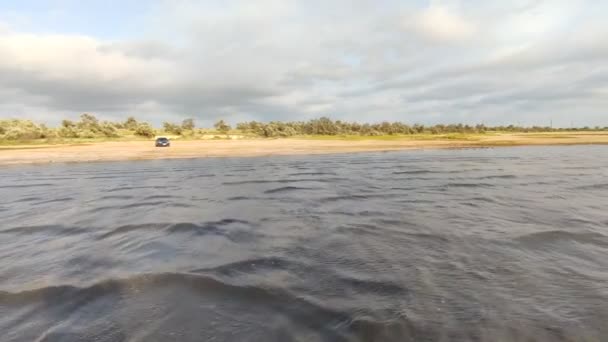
602,186
57,200
287,189
55,229
65,299
469,185
23,186
251,266
162,204
553,236
312,174
241,198
136,187
414,172
356,197
153,197
207,228
28,199
498,177
281,181
115,197
69,293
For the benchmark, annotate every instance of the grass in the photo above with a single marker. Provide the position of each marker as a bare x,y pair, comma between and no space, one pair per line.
422,136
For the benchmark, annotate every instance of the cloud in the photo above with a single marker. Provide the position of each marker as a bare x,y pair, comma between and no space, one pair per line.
440,23
446,62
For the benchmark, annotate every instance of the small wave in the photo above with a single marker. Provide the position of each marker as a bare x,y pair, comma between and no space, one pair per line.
132,227
200,176
212,227
241,198
163,204
207,227
469,185
355,197
57,200
159,197
603,186
374,286
553,236
499,177
55,229
106,177
312,174
287,189
249,266
53,178
28,199
364,213
413,172
281,181
116,197
126,188
23,186
243,170
143,204
483,199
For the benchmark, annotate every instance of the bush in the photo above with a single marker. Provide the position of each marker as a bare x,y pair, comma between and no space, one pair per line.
22,130
130,124
172,128
222,126
145,130
188,124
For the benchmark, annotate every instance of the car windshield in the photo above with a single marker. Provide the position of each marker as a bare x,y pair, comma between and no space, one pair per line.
162,139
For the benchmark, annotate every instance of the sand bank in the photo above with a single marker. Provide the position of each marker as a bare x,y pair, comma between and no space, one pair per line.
145,150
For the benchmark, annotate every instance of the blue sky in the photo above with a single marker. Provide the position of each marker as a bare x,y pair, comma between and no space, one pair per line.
110,19
471,61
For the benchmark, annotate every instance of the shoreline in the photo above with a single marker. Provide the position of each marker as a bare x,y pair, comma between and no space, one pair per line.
188,149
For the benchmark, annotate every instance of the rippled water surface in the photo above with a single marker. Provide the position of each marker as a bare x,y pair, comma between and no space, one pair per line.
456,245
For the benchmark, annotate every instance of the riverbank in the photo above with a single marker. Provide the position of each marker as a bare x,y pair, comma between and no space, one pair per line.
145,150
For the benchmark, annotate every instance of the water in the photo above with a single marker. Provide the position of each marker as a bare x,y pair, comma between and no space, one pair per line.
505,244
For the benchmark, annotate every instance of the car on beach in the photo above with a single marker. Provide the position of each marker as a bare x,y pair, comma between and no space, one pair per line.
162,142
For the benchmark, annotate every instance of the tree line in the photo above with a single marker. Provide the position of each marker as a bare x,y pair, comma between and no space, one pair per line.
88,126
327,126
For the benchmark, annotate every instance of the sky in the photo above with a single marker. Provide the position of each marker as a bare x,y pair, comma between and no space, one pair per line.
526,62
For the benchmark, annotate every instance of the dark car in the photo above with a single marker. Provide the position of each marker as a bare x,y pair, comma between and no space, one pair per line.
162,142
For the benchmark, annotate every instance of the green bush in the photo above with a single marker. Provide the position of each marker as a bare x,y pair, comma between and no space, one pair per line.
172,128
15,129
222,126
145,130
188,124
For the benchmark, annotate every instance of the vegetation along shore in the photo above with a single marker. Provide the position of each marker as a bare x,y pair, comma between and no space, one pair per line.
25,142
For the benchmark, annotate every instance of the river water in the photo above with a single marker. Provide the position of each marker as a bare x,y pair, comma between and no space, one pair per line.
507,244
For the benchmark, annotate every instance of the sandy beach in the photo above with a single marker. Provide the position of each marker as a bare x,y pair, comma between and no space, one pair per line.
145,150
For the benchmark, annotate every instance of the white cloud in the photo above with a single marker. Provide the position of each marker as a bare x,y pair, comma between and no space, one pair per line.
441,23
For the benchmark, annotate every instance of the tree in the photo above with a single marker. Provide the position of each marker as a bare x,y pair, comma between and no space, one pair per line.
222,126
188,124
88,121
172,128
144,130
67,123
130,123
